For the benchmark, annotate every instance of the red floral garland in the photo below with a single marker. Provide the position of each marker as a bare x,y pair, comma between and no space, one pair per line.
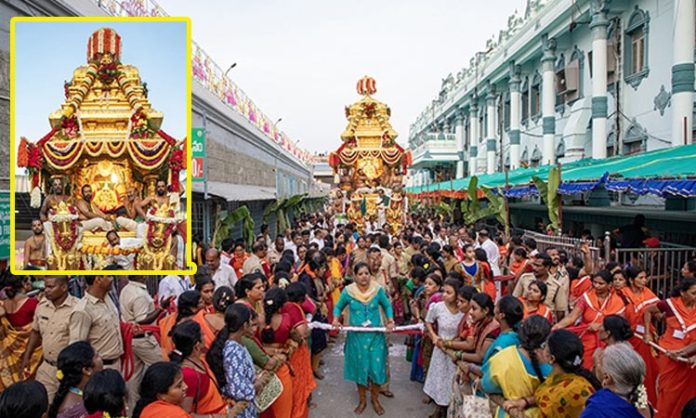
107,73
176,164
68,243
70,127
140,127
151,226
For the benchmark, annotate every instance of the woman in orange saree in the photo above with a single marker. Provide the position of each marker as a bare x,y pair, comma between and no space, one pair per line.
594,305
676,379
533,302
640,298
187,306
212,323
163,393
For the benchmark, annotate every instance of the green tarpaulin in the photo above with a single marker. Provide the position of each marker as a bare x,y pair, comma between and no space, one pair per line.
673,163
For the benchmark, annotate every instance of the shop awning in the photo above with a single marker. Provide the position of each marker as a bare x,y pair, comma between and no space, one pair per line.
667,171
236,192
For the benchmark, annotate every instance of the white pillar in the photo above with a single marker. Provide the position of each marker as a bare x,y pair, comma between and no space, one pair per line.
459,133
515,116
683,72
473,135
548,100
491,139
599,25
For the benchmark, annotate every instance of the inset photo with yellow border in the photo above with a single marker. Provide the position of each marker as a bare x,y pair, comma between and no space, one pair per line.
100,119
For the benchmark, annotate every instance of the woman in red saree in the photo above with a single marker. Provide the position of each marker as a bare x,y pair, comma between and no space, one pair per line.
295,341
639,299
202,395
676,379
16,317
594,305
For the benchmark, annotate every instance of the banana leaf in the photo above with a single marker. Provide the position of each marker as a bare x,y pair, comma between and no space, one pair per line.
225,221
496,207
471,207
270,210
548,191
444,209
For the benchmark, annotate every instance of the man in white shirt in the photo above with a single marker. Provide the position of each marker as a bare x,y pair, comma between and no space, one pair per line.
318,238
172,286
223,274
295,240
491,250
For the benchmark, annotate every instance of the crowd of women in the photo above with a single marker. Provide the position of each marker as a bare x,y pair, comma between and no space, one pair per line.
507,330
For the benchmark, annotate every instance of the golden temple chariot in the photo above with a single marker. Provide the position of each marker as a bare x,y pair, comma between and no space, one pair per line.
106,135
370,165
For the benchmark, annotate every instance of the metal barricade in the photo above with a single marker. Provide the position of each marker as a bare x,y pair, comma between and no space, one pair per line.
663,265
569,244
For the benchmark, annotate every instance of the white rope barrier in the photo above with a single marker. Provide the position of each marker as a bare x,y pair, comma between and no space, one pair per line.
403,328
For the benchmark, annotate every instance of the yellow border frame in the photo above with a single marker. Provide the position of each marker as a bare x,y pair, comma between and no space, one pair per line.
189,72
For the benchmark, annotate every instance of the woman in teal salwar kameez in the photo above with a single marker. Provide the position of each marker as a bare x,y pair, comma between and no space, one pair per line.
365,361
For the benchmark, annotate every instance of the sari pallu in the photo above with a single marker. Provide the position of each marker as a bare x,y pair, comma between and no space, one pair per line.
12,348
511,374
638,303
209,402
206,330
161,409
595,312
166,325
563,395
300,362
676,379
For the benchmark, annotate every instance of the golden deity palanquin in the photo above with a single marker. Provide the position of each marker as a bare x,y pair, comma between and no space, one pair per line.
105,135
370,165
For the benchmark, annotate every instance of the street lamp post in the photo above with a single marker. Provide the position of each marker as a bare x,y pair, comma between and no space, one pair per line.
231,67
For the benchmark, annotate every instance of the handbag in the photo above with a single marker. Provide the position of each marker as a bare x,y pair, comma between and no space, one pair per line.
475,406
265,398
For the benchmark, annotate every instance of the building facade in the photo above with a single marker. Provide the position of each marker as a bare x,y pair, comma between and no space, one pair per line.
567,79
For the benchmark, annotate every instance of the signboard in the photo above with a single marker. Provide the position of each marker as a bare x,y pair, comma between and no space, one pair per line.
198,154
4,225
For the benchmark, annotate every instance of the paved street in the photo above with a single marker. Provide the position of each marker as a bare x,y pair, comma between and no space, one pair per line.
336,398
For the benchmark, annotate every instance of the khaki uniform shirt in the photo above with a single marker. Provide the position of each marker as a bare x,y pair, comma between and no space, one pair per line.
97,322
136,303
556,295
382,279
53,324
389,264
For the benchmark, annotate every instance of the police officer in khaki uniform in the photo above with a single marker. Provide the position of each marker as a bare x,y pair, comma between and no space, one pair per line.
138,307
51,330
95,319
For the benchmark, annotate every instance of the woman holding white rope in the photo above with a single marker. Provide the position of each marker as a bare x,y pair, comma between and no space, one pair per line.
365,352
